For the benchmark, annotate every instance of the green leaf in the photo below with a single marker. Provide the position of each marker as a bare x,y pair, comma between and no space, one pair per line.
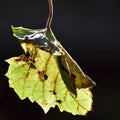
21,32
47,74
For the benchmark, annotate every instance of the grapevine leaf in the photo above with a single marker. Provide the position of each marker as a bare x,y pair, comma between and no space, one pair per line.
47,74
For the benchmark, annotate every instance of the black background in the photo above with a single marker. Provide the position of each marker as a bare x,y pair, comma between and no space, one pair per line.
89,30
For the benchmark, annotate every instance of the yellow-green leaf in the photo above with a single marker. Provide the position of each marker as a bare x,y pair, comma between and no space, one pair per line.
47,74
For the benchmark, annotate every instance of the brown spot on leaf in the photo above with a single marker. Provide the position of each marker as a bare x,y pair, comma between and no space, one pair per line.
59,101
42,75
32,66
45,77
22,58
26,58
54,92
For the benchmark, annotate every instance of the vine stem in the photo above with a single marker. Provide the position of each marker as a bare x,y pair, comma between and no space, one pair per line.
49,20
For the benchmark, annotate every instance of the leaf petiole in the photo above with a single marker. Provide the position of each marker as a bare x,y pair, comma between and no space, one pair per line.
48,24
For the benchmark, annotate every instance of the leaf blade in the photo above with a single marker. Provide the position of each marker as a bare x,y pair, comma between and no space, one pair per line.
42,77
